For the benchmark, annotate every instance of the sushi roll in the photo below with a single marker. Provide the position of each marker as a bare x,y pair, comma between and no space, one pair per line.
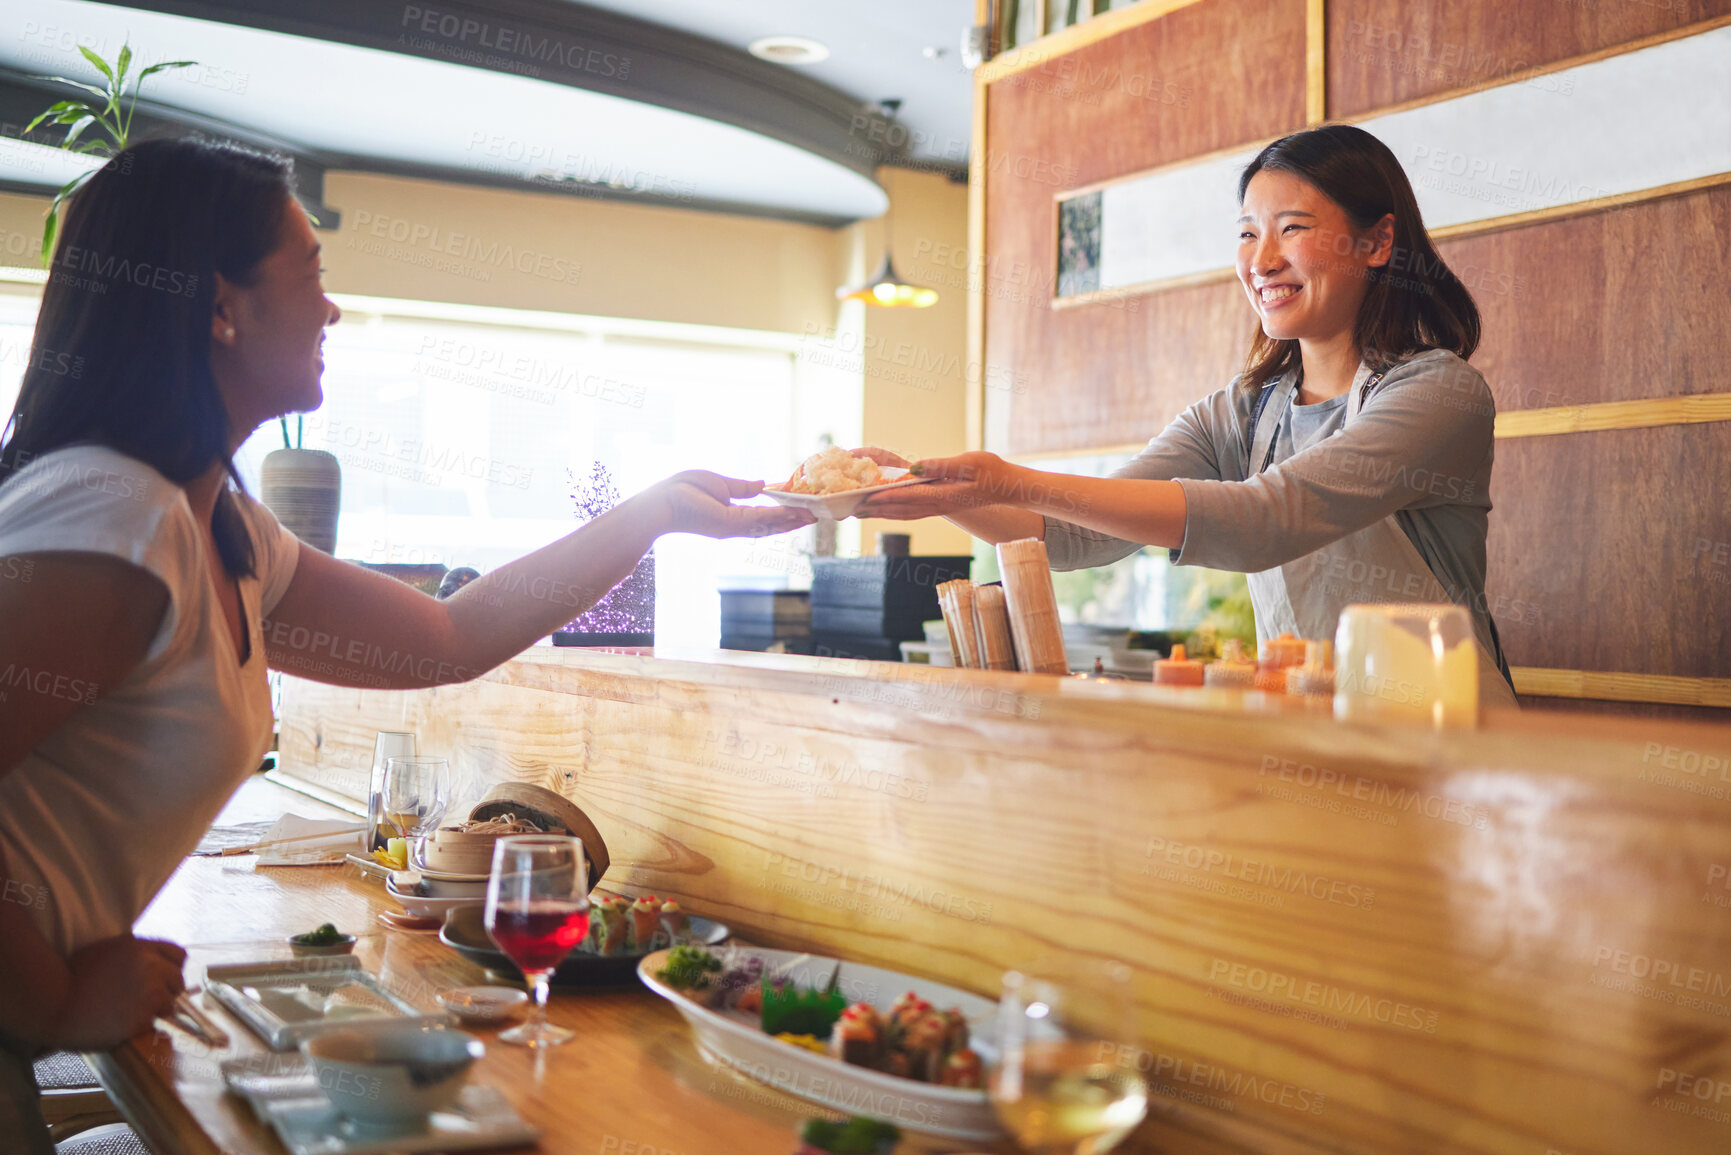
612,911
958,1024
857,1037
924,1043
645,920
963,1069
674,922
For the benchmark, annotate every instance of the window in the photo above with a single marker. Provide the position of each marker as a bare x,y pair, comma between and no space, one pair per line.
462,431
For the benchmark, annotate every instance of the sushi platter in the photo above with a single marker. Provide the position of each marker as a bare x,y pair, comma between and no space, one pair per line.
730,1029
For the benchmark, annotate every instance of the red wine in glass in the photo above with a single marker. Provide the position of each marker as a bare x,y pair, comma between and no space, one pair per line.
537,910
538,935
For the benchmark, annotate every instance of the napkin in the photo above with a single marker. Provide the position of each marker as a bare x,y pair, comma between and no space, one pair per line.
343,838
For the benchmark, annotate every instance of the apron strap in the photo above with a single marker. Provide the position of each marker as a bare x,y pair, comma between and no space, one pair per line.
1354,405
1261,439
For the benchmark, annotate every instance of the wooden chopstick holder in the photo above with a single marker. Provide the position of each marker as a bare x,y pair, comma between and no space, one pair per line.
1033,606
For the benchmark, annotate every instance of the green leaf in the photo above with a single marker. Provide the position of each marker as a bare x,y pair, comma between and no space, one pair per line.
124,63
49,225
90,88
155,68
73,133
76,110
55,110
101,64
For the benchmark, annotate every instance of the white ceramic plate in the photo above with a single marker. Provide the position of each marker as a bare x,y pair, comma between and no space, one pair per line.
836,506
734,1039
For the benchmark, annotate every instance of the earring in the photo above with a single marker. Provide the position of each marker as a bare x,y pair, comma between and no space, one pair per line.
228,333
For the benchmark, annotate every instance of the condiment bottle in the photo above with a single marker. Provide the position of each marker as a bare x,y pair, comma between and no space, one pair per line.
1278,654
1233,671
1178,670
1316,676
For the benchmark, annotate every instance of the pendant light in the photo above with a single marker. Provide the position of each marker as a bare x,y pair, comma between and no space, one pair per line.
885,287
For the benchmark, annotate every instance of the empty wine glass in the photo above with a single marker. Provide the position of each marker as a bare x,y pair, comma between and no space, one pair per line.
417,792
1060,1086
537,910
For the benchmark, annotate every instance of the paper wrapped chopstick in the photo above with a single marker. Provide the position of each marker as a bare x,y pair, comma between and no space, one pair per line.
956,599
1033,606
992,623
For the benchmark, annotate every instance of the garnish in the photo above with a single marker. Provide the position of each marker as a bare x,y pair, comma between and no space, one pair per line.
788,1009
855,1137
688,967
326,935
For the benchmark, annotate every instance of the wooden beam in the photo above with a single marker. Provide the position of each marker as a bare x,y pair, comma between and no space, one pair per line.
1315,61
1642,414
1607,686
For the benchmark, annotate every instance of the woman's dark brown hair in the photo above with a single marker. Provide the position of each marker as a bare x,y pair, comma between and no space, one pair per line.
1413,303
128,303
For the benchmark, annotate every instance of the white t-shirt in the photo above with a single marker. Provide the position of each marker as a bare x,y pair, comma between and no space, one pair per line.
98,816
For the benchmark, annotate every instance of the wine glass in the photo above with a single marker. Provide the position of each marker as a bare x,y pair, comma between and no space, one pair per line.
389,744
537,910
417,792
1060,1087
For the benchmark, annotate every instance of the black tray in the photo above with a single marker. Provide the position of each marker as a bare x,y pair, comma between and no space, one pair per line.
466,933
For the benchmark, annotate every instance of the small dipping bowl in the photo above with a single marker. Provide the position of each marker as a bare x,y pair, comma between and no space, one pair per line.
391,1075
485,1005
343,945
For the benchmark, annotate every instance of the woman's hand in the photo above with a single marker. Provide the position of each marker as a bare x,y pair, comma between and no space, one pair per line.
119,985
969,481
701,502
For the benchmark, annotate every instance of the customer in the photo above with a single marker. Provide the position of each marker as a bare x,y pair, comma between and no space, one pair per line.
184,310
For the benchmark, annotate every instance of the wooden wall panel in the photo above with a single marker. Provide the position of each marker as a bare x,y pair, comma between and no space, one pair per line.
1617,305
1213,75
1383,52
1612,550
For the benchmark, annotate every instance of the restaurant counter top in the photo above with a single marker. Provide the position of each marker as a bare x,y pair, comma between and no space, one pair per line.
630,1083
1511,939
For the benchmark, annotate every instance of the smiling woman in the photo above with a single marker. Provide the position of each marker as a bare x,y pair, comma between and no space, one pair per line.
1350,461
134,659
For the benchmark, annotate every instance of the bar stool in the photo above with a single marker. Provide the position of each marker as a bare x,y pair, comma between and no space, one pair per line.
72,1100
110,1139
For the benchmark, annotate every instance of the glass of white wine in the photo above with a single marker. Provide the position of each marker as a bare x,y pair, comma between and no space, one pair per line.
417,791
1061,1086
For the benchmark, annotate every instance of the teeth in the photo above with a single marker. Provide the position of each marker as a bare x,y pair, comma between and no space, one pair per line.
1278,293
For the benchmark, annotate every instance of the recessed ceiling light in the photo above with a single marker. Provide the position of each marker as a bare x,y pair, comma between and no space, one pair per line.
788,50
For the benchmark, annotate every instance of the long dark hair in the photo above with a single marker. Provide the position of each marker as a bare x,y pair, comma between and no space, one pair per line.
121,355
1412,304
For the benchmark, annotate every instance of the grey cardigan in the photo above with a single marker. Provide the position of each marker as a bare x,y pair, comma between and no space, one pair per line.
1420,451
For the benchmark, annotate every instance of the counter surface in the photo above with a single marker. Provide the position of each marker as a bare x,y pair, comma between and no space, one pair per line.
633,1081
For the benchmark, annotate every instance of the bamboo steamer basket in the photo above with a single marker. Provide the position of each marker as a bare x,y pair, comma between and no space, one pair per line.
461,853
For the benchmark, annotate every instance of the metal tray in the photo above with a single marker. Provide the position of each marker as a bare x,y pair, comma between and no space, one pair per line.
286,1000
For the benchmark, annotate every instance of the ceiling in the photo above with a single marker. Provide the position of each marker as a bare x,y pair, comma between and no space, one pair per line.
648,100
876,53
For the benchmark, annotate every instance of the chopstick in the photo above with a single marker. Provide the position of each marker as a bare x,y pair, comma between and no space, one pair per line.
195,1022
258,846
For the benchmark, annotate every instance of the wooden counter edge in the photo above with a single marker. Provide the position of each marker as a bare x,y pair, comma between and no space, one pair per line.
148,1102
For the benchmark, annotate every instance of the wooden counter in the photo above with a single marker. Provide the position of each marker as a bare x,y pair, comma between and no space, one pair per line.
631,1083
1347,939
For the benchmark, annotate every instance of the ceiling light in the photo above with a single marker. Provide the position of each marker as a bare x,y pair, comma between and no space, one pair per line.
886,288
788,50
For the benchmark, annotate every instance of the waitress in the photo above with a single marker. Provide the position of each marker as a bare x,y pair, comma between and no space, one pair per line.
1349,462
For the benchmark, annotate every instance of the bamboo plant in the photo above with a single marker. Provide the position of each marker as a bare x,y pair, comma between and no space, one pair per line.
106,115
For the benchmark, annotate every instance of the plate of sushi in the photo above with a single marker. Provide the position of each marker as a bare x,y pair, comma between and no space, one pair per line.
855,1038
831,484
622,931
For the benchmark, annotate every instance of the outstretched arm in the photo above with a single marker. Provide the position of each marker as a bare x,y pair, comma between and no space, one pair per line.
342,624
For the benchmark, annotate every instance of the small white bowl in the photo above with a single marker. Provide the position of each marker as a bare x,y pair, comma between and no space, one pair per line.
432,907
391,1075
484,1005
